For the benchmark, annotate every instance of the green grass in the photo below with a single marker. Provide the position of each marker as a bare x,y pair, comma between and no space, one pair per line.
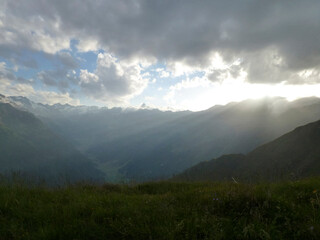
164,210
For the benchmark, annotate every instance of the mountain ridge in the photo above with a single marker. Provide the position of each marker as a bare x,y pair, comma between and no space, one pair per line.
29,147
295,154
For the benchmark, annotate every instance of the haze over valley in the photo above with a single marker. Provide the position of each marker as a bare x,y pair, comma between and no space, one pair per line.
149,144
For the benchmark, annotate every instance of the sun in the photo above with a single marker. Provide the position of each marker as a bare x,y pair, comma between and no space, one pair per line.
199,97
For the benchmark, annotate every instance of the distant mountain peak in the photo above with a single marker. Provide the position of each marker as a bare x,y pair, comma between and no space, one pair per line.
145,106
20,100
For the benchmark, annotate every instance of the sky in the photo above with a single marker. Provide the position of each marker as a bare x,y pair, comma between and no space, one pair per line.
178,54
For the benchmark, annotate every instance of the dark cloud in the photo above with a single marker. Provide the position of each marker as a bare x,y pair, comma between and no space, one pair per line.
62,79
8,75
16,56
184,30
192,29
67,60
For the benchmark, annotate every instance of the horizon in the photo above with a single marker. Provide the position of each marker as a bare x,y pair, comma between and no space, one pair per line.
146,107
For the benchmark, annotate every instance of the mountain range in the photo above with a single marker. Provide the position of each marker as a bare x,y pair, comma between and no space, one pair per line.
30,148
146,144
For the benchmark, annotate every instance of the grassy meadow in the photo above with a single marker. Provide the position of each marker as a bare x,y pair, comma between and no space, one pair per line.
161,210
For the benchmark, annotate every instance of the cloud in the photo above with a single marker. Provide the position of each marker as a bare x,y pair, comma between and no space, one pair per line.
11,86
88,45
67,60
113,81
60,79
63,76
162,73
26,25
190,31
271,41
45,97
8,75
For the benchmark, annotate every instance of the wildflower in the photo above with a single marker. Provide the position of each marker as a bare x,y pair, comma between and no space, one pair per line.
315,191
215,197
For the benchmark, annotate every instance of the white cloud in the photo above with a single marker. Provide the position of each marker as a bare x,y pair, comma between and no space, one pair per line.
87,45
149,98
3,67
164,74
173,96
179,68
114,81
88,77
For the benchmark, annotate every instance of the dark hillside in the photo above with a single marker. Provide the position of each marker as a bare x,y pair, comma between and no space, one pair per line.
29,147
293,155
296,153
